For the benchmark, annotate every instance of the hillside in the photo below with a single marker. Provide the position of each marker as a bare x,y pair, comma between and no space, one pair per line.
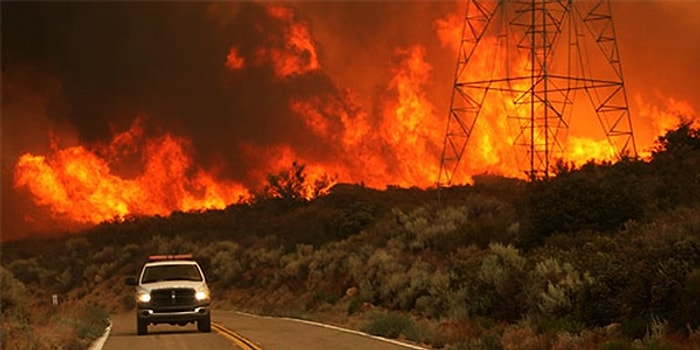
599,256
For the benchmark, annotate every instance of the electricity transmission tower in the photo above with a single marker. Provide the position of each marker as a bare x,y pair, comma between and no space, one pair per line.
522,63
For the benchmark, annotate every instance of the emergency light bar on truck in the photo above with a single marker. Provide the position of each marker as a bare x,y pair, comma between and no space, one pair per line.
170,257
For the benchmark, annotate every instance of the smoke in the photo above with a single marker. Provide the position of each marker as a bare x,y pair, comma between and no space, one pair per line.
167,60
659,47
27,93
83,70
660,44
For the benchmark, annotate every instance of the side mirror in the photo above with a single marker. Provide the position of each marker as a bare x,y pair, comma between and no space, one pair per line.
130,281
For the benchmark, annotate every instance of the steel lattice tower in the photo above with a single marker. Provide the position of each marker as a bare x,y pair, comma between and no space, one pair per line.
541,54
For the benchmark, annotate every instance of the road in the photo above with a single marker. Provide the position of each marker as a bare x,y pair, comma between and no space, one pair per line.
264,332
123,336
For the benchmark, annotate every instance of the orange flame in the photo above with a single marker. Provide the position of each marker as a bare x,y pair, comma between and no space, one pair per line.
399,150
491,146
298,54
234,61
78,183
410,126
660,119
397,142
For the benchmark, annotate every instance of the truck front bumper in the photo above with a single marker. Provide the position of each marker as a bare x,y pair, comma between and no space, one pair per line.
161,316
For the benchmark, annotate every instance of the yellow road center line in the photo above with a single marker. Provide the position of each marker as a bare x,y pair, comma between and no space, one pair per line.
238,339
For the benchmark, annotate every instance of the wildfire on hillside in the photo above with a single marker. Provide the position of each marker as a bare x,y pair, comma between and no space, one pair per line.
279,102
79,184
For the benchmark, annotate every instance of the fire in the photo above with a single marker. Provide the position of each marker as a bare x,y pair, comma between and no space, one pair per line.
394,137
395,154
449,31
234,61
291,53
410,125
78,183
496,144
297,55
661,118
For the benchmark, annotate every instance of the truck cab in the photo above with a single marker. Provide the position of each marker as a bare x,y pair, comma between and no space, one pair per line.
171,289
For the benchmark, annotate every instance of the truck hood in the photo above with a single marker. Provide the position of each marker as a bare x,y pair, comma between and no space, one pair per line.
198,286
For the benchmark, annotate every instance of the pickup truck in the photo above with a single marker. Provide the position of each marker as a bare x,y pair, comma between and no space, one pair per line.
171,289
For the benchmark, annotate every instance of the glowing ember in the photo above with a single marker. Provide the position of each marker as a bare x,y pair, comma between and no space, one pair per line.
234,61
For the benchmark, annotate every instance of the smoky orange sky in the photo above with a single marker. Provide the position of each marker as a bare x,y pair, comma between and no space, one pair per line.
130,108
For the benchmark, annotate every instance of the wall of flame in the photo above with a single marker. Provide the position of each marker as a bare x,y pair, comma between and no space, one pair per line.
112,110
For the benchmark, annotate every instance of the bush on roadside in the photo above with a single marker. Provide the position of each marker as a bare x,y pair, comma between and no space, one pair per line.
16,332
91,323
690,301
552,288
500,278
390,325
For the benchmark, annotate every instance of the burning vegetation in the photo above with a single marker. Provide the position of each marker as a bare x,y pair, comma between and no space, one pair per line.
168,114
79,183
258,107
603,256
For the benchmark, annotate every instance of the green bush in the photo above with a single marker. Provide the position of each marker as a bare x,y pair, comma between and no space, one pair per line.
26,270
690,301
355,218
354,305
390,325
553,288
225,263
601,244
497,290
634,328
16,331
558,325
490,341
675,164
617,345
480,221
658,344
596,197
91,323
321,297
384,276
13,297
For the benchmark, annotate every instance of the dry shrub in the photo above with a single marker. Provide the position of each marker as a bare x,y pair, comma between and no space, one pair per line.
523,337
568,341
390,325
694,339
552,287
455,331
592,339
17,337
497,290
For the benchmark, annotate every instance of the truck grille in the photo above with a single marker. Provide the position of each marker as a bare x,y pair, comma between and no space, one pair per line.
172,297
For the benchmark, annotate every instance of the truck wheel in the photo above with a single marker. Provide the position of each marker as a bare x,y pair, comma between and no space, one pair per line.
141,326
204,325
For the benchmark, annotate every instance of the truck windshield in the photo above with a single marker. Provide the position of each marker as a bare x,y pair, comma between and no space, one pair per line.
186,272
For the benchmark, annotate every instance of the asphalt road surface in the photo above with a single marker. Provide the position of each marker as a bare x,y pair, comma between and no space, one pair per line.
262,332
123,336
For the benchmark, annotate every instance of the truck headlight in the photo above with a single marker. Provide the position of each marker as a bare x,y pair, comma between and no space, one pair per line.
201,296
143,297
